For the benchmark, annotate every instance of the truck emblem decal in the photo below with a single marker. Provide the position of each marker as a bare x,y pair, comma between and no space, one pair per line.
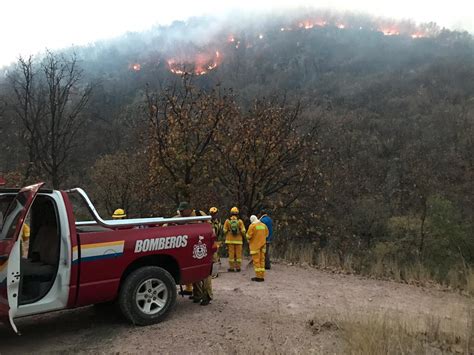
144,245
200,249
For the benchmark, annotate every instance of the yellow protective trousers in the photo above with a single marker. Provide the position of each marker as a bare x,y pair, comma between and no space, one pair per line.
203,289
258,258
235,255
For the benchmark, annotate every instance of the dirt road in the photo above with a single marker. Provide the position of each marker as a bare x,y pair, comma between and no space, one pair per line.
245,317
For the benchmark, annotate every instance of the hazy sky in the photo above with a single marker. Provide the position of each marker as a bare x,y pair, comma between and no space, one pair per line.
29,26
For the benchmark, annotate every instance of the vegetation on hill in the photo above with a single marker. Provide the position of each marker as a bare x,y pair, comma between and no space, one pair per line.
357,133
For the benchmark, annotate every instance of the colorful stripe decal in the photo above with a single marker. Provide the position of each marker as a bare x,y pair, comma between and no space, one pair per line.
3,271
96,251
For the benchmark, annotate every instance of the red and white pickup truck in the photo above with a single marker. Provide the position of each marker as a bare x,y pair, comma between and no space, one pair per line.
71,263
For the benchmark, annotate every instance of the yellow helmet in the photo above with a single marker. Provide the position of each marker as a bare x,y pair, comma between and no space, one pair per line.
213,210
119,214
234,210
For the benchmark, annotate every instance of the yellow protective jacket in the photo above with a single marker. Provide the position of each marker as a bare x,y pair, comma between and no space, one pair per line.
257,237
26,231
218,229
231,238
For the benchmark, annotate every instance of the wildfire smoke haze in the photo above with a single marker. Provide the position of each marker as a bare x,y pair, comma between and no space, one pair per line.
197,47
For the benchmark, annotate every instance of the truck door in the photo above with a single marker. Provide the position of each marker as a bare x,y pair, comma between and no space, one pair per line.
10,254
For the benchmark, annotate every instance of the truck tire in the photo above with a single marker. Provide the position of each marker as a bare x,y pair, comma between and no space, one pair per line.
147,295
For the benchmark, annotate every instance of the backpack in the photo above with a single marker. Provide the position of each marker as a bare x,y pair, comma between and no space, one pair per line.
234,226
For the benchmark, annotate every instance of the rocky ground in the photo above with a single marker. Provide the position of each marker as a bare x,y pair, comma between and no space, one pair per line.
290,313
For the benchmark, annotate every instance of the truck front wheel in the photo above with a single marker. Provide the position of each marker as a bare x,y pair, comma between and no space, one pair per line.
147,295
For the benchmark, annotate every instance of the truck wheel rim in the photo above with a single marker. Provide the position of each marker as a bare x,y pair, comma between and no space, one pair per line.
151,296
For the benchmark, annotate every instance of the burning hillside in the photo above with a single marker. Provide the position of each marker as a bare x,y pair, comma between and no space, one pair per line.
205,57
198,64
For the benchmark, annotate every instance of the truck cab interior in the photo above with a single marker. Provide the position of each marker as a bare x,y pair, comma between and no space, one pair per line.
40,252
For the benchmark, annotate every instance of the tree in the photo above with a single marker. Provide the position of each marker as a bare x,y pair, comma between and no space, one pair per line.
183,124
263,153
49,99
65,98
118,181
29,107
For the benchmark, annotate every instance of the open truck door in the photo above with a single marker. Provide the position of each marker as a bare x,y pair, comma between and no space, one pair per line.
10,251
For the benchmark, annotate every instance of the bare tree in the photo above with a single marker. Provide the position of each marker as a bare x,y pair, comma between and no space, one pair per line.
66,97
28,106
49,99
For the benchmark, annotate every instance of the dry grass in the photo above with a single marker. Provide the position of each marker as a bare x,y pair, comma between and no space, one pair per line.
459,278
470,281
375,333
374,336
298,253
417,274
385,334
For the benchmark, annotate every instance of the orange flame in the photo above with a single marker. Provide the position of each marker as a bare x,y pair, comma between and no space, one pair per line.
135,66
389,31
200,64
309,24
387,27
418,35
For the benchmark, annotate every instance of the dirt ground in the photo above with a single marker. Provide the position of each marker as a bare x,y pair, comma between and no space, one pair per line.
245,317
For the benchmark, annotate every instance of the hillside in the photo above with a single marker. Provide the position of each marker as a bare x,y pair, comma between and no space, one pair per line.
356,132
335,60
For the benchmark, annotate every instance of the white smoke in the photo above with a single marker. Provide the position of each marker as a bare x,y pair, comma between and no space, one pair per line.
30,26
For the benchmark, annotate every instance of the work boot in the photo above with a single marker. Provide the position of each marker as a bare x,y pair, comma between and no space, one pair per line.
237,270
230,270
185,293
196,300
205,301
257,279
191,297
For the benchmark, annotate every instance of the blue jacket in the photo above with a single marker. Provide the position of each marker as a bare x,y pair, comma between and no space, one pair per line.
269,223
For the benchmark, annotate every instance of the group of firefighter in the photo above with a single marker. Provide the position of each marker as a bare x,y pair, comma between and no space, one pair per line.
231,234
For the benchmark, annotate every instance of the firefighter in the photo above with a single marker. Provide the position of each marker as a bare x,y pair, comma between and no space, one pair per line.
257,235
200,292
234,230
119,214
219,232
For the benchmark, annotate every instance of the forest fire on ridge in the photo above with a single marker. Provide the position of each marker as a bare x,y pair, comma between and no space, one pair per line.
207,60
392,29
199,64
